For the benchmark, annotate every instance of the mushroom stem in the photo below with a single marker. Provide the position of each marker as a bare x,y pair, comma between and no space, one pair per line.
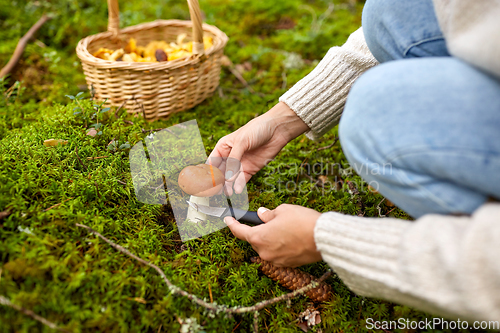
193,215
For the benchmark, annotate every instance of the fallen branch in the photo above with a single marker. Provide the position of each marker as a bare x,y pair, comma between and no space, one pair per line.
256,321
211,306
21,45
5,301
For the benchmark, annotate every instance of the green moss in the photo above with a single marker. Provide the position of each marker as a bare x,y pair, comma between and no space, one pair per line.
72,278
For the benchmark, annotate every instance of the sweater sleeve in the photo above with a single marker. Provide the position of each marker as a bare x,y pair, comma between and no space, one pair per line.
472,31
445,265
319,98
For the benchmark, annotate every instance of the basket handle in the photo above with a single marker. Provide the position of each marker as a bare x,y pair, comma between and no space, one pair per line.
194,12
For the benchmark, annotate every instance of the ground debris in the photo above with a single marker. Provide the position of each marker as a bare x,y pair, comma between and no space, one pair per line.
54,142
307,319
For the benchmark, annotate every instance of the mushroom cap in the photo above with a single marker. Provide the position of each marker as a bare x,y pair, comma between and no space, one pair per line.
201,180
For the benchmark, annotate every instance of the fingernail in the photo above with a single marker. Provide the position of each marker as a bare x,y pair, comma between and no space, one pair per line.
228,220
229,174
262,210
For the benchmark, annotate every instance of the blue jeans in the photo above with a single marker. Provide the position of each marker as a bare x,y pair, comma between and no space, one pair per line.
423,127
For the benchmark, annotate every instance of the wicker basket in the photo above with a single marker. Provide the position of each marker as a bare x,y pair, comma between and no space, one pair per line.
154,89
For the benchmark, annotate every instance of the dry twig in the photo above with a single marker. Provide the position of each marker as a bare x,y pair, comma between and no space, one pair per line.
390,211
380,209
330,145
97,189
79,160
355,192
96,158
7,302
57,205
256,321
229,64
121,106
241,79
22,45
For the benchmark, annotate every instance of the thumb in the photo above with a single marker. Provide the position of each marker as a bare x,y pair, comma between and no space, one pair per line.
239,230
265,214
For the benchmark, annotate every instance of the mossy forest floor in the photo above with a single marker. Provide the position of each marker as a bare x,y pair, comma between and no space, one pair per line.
77,281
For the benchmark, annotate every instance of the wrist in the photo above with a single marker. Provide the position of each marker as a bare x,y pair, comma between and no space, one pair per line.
286,121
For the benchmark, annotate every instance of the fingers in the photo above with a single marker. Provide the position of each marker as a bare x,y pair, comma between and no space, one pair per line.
221,151
239,230
265,214
223,147
240,182
233,163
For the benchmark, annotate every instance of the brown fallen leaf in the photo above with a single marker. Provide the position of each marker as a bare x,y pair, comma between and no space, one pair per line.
323,180
54,142
92,132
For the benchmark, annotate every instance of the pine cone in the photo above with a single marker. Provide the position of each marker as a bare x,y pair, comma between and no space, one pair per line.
293,279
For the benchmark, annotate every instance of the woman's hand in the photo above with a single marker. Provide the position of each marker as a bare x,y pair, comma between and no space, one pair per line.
251,147
287,237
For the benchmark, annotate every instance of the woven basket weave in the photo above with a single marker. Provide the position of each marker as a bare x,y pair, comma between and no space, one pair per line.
154,90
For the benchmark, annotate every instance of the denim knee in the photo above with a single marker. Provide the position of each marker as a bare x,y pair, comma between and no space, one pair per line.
397,29
372,21
354,130
434,123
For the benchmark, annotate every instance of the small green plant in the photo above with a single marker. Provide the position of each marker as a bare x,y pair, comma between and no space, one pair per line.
89,114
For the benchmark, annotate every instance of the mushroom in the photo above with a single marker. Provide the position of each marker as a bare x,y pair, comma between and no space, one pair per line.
201,182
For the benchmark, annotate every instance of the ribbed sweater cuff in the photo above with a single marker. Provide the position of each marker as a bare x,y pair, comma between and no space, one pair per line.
319,98
362,251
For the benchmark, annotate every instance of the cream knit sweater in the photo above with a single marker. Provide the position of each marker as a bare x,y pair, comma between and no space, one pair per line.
445,265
